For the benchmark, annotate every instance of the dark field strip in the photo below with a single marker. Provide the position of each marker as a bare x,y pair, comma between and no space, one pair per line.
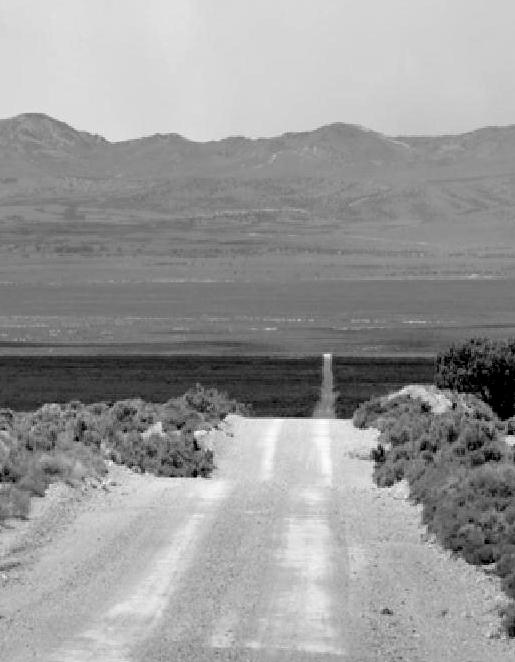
273,386
357,379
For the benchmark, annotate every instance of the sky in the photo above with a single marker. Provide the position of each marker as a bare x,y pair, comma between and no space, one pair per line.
207,69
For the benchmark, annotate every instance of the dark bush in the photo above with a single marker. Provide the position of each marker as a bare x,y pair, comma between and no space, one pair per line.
481,366
509,427
6,419
163,455
508,620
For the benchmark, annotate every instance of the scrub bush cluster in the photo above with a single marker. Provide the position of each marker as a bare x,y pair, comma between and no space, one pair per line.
73,441
482,366
459,467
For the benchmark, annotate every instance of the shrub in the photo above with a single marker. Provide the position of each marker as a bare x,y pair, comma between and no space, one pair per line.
459,468
468,514
41,437
510,426
508,620
474,407
163,455
384,412
216,404
367,413
6,419
481,366
70,442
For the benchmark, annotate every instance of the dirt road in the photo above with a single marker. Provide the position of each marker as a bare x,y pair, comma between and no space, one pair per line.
288,553
326,406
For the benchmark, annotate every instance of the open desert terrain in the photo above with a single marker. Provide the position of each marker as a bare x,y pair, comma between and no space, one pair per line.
301,243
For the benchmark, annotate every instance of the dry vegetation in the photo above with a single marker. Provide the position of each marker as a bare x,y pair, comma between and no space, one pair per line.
456,462
73,441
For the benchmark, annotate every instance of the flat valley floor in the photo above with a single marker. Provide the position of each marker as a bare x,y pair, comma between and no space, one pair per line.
302,317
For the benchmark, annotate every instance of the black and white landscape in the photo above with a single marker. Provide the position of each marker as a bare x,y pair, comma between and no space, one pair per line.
339,238
257,331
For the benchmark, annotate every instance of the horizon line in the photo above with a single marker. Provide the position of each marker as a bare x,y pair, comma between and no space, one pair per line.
337,123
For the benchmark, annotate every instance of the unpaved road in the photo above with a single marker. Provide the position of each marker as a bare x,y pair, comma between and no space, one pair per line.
288,553
326,406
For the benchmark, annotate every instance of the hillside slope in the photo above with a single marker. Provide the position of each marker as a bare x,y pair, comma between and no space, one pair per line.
360,203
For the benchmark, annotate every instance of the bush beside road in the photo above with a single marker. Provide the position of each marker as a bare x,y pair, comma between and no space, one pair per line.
73,442
459,467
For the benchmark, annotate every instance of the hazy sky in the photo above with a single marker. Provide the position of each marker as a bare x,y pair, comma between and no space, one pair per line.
212,68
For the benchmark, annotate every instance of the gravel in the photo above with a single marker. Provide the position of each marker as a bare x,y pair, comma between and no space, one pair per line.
291,563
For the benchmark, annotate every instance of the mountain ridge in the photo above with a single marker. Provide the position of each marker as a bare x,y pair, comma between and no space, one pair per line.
36,147
360,202
332,126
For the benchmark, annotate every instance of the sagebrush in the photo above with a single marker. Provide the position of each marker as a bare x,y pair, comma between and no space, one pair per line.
73,441
459,468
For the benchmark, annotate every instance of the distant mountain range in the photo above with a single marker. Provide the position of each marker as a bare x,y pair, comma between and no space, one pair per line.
205,246
340,170
359,203
37,140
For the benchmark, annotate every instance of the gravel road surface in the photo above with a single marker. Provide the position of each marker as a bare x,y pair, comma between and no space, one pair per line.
288,553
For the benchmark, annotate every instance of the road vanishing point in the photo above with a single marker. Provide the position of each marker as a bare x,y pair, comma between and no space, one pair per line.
287,553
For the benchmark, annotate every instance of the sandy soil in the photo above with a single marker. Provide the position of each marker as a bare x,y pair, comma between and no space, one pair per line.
288,553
